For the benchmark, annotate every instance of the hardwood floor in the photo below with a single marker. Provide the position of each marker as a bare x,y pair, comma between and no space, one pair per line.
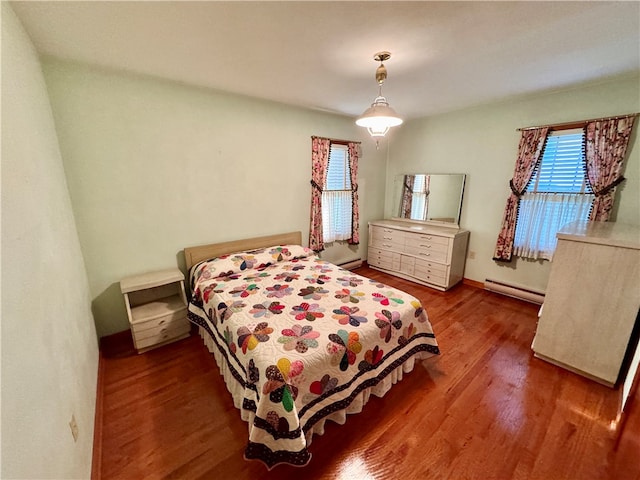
484,409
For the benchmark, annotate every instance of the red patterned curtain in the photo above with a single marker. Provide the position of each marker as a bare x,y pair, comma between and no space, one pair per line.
319,164
407,196
354,155
529,151
605,149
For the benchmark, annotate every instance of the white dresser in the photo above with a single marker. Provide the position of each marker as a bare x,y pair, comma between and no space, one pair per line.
427,254
592,299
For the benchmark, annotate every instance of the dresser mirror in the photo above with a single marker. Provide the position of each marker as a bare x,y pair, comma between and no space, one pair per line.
431,198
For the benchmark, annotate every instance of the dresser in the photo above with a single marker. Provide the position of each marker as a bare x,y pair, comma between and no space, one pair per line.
592,300
157,308
427,254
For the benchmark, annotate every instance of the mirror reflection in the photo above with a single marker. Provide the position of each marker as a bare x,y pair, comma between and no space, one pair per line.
429,197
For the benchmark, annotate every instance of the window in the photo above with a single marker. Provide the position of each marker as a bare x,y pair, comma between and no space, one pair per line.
558,193
337,196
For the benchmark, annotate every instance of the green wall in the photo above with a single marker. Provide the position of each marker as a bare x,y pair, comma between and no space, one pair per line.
49,344
155,166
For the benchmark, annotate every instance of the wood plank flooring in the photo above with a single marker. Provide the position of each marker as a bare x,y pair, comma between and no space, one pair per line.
484,409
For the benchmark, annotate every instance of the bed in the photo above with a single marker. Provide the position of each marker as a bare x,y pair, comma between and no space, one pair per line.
298,340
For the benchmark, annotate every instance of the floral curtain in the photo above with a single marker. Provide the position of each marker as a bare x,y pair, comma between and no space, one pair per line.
354,155
319,163
605,149
529,151
407,196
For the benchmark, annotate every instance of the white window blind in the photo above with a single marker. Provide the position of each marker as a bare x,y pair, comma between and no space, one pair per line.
561,169
557,194
337,196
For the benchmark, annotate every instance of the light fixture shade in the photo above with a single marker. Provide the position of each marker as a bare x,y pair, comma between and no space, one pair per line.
379,118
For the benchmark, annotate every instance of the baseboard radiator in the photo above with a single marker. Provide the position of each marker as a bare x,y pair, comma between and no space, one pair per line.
351,264
516,291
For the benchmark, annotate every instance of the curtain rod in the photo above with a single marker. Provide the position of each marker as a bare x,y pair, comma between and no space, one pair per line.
578,123
337,140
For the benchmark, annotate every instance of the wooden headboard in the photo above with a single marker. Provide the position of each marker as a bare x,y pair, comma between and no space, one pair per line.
196,254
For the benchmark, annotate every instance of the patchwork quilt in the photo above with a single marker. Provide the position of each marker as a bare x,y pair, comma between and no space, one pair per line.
301,339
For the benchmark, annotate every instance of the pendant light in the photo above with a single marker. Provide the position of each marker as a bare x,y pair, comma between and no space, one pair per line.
379,117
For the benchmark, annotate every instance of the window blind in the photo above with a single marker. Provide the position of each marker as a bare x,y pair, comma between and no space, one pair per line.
337,196
338,174
561,169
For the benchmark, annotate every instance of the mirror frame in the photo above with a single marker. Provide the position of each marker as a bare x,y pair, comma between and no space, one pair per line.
397,201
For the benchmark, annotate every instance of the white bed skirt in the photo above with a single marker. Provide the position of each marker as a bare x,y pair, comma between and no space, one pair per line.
340,416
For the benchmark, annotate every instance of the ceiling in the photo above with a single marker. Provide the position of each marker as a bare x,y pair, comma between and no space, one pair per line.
445,55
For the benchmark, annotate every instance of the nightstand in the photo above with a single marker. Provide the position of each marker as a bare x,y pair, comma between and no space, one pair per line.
157,308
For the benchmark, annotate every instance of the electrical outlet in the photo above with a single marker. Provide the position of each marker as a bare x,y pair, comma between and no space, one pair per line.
472,255
74,428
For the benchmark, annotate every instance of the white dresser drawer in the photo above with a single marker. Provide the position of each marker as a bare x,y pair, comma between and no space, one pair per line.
431,272
427,254
387,238
429,238
380,258
421,243
431,268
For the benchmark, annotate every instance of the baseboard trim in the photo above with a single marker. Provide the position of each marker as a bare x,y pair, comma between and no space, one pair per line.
352,264
96,460
472,283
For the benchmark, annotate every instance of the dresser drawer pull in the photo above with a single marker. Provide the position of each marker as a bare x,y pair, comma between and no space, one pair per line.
387,230
386,245
425,254
427,237
388,238
428,245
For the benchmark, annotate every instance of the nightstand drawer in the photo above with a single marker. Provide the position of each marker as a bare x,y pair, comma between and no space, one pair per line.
145,329
178,328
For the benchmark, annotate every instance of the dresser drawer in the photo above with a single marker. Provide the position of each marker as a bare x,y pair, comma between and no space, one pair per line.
436,244
387,238
431,272
383,258
430,238
429,267
428,254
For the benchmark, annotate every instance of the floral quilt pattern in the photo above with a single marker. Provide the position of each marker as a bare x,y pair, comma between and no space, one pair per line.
303,338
